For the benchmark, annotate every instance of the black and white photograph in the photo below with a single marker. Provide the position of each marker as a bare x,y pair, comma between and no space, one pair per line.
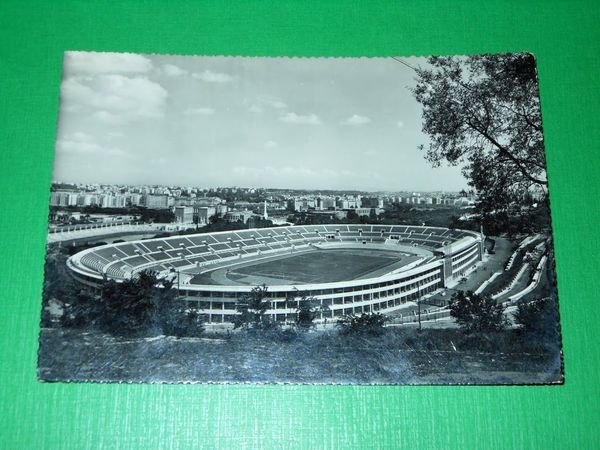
381,220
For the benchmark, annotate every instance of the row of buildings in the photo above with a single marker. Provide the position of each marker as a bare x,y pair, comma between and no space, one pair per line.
305,203
201,215
358,202
66,198
195,206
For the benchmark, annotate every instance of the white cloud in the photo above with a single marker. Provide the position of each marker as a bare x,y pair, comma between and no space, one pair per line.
274,172
263,103
289,172
271,145
80,136
108,118
115,99
275,103
201,111
104,63
117,152
400,124
70,108
356,121
82,143
330,173
74,146
171,70
308,119
213,77
255,109
370,152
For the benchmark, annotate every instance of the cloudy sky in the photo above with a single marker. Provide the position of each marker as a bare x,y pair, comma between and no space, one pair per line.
258,122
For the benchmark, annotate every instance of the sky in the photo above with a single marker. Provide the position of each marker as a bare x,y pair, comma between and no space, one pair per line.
296,123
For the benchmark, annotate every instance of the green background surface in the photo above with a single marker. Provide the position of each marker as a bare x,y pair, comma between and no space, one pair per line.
565,38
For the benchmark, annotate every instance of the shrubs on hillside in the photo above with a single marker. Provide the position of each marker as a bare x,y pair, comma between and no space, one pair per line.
365,324
475,313
141,306
251,311
539,316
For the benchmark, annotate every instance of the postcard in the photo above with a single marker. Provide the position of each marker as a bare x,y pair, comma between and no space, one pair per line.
300,220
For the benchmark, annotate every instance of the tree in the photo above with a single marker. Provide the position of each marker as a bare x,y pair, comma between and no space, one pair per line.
156,215
307,309
352,217
252,309
484,111
80,307
181,322
539,316
369,323
474,312
145,305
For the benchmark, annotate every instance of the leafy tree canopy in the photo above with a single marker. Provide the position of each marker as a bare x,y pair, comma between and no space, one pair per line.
362,324
141,306
307,309
474,312
484,112
539,316
252,309
136,305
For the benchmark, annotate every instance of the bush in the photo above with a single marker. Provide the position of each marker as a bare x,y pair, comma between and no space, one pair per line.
539,316
372,324
252,308
307,310
183,323
141,306
475,312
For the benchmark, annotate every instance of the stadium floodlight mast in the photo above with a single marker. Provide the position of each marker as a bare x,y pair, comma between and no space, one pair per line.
419,303
176,271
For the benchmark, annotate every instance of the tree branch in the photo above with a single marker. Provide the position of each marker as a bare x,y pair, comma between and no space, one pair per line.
506,153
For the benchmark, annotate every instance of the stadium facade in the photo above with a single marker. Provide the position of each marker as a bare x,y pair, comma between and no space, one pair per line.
443,255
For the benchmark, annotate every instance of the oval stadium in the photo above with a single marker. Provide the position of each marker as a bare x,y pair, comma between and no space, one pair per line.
348,269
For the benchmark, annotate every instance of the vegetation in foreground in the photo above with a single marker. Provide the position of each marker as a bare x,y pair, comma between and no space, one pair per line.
403,356
139,331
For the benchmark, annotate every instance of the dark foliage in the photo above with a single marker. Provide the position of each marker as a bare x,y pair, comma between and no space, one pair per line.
143,214
538,317
371,324
157,215
484,111
81,308
475,312
142,306
307,309
218,223
252,308
179,322
130,307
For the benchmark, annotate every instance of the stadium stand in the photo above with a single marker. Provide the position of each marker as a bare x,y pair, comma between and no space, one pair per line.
123,259
444,254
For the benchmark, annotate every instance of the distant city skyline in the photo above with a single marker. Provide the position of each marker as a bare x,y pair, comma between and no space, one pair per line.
272,123
271,188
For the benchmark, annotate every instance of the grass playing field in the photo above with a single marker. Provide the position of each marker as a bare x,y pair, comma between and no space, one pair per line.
319,266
